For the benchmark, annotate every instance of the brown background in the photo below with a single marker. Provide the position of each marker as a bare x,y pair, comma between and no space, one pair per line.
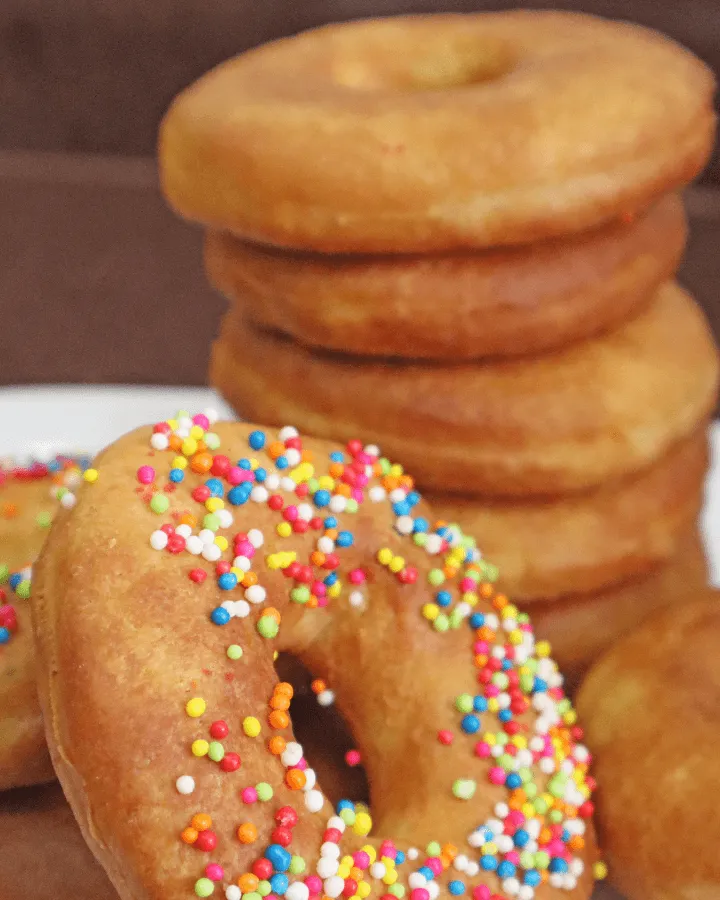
98,282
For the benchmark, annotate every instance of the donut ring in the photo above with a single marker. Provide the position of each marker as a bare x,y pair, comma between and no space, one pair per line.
428,133
505,302
561,422
158,698
651,708
581,628
26,508
586,542
43,854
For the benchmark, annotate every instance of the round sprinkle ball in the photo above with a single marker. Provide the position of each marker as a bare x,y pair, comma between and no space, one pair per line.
195,707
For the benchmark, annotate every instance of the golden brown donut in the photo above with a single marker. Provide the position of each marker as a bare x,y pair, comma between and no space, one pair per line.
581,628
27,505
652,711
425,133
126,598
504,302
586,542
560,422
43,855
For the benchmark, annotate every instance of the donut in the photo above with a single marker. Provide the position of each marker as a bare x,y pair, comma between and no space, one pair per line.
172,739
582,543
581,628
563,421
426,133
504,302
43,854
28,501
652,709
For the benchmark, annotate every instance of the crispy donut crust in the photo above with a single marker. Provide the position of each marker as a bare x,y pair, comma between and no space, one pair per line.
125,642
560,422
586,542
651,710
433,133
505,302
581,628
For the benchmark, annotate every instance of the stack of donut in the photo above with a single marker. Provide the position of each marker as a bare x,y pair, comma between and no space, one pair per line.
457,236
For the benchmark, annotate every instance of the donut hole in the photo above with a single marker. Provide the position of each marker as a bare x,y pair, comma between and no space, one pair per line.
447,65
324,734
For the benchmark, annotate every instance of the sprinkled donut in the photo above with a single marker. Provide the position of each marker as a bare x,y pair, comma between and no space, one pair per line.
425,133
30,494
563,421
505,302
159,603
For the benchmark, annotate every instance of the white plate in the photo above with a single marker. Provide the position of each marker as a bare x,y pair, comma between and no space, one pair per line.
44,420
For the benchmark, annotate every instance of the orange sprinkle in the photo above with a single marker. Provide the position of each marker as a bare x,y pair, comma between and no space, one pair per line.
335,470
332,533
248,883
284,687
174,442
544,836
307,456
201,821
485,633
188,519
201,463
317,557
276,745
280,701
189,835
407,481
343,490
576,842
500,601
450,850
276,449
312,602
249,579
278,719
318,686
9,510
486,591
295,779
247,833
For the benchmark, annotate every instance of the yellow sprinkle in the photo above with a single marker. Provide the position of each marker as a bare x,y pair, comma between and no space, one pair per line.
222,542
430,611
326,482
489,849
542,648
173,423
528,810
344,871
200,748
284,529
390,877
396,470
253,464
251,726
493,705
213,504
397,564
385,556
362,824
600,871
195,707
276,653
303,472
238,573
280,560
570,717
91,475
189,446
516,637
197,432
179,463
363,890
334,590
370,850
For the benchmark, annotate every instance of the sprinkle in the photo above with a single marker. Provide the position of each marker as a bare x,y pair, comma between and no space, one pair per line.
464,788
185,784
195,707
251,726
234,652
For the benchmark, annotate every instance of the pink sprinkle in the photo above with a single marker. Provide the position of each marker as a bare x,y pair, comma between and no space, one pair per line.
492,690
420,894
203,422
482,749
314,884
513,856
365,458
361,859
387,848
467,585
497,775
244,548
236,475
146,474
434,863
353,758
290,513
481,892
481,647
515,818
361,480
322,601
357,576
357,495
249,795
555,848
302,764
215,872
319,589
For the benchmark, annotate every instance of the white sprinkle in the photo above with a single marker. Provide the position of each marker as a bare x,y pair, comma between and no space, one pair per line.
557,879
329,851
377,494
433,888
405,524
334,886
397,495
287,432
310,779
243,563
326,698
337,503
159,442
313,801
371,450
225,517
256,593
272,482
416,879
207,536
569,882
211,414
292,754
460,863
577,867
502,810
511,886
194,545
185,784
336,822
293,456
325,544
229,606
259,494
287,484
526,892
504,843
211,552
476,839
68,501
297,891
305,512
242,609
357,599
433,544
413,853
472,869
378,870
256,537
233,892
158,540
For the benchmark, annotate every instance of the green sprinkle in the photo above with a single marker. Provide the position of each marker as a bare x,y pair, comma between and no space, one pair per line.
234,651
542,860
23,589
348,816
4,574
351,506
433,849
297,865
397,889
211,522
385,465
212,440
313,485
300,594
268,627
464,788
525,774
252,895
160,504
541,806
526,683
204,887
264,888
436,577
506,761
555,816
464,703
216,751
489,571
456,618
527,859
531,790
501,680
43,519
441,622
264,791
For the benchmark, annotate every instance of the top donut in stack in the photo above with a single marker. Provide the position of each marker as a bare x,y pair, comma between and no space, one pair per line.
456,235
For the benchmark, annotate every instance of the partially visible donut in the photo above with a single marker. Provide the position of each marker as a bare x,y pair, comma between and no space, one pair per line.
563,421
504,302
586,542
29,497
652,710
425,133
146,582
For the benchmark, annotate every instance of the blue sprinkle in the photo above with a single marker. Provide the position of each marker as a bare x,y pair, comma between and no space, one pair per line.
257,440
176,475
331,579
344,539
420,526
443,598
282,462
479,704
245,464
505,869
227,581
399,857
402,508
238,495
344,804
558,866
279,884
260,475
532,877
54,466
456,887
337,456
215,486
330,522
443,531
321,498
427,872
4,635
489,863
470,724
15,580
521,837
507,664
565,836
540,686
413,498
513,781
219,616
477,620
505,715
279,857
